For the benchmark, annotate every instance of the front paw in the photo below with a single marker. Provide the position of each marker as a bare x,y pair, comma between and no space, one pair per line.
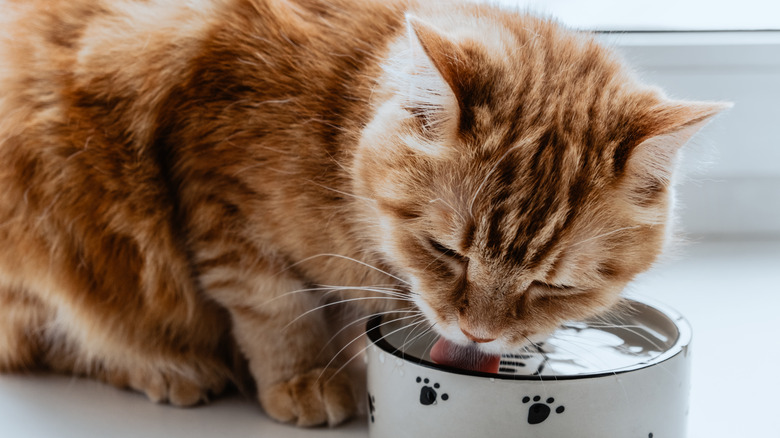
310,399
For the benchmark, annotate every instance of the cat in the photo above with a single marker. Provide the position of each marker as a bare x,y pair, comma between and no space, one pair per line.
189,187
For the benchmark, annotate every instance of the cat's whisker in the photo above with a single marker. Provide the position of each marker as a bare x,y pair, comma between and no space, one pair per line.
432,341
363,350
378,289
439,257
411,332
603,235
345,258
399,293
357,338
415,338
456,211
347,326
545,360
341,192
333,303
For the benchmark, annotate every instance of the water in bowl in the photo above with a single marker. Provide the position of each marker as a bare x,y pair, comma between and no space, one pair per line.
624,341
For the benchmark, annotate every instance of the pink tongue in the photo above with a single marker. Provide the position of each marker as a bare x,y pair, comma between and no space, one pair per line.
467,357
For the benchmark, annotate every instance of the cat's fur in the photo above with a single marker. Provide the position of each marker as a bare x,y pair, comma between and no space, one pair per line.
182,177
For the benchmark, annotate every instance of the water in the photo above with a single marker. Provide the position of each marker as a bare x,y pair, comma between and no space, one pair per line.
634,339
579,348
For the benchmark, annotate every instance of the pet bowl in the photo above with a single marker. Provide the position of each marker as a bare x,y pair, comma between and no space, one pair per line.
625,376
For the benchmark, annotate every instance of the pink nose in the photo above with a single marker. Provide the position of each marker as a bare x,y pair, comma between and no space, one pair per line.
476,339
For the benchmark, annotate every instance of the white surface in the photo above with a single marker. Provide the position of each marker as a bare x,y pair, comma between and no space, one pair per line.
729,291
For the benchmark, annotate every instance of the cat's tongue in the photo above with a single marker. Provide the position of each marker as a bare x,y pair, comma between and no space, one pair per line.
467,357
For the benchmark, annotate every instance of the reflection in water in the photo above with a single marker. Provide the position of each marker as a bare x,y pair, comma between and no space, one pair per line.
582,348
590,347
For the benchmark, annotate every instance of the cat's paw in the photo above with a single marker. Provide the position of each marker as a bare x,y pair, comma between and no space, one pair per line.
167,386
311,399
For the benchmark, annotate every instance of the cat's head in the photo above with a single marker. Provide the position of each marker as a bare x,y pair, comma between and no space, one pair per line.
521,177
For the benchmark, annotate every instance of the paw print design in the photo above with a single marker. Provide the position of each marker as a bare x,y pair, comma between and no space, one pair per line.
371,408
540,410
428,394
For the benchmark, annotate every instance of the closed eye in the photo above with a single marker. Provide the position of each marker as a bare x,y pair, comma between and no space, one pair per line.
556,289
443,250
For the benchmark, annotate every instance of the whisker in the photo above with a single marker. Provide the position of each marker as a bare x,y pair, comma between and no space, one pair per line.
433,340
411,332
389,312
362,198
409,341
368,346
336,355
398,293
450,206
545,361
335,303
439,257
603,235
345,258
387,291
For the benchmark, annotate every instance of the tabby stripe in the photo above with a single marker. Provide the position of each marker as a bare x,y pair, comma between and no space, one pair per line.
468,236
576,198
494,235
227,258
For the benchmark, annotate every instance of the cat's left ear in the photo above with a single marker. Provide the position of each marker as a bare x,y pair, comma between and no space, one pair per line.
670,128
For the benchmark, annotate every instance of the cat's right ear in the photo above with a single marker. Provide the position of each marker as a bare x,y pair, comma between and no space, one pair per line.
433,47
438,72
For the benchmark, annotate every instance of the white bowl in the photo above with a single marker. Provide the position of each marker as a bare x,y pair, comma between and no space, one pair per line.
624,377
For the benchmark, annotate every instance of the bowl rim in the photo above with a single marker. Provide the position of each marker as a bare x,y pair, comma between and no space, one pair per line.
680,345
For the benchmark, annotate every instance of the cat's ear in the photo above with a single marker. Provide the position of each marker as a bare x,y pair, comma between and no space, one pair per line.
433,46
668,130
439,71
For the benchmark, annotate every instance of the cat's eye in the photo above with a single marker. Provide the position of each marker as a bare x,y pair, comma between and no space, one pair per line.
446,251
555,289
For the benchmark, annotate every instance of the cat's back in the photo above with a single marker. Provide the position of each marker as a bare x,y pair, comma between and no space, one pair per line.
92,91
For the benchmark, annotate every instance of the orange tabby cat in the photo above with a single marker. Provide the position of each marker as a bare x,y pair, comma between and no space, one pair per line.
182,181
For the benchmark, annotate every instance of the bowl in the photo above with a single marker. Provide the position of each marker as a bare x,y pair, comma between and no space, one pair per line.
622,376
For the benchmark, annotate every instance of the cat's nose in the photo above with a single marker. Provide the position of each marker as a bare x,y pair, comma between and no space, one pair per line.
474,338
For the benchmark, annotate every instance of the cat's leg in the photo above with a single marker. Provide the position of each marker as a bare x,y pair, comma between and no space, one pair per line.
182,375
284,339
31,337
23,319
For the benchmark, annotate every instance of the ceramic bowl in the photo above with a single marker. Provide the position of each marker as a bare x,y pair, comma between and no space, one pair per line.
626,376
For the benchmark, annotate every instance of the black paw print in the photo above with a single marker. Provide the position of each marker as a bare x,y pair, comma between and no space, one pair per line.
539,411
428,394
371,408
